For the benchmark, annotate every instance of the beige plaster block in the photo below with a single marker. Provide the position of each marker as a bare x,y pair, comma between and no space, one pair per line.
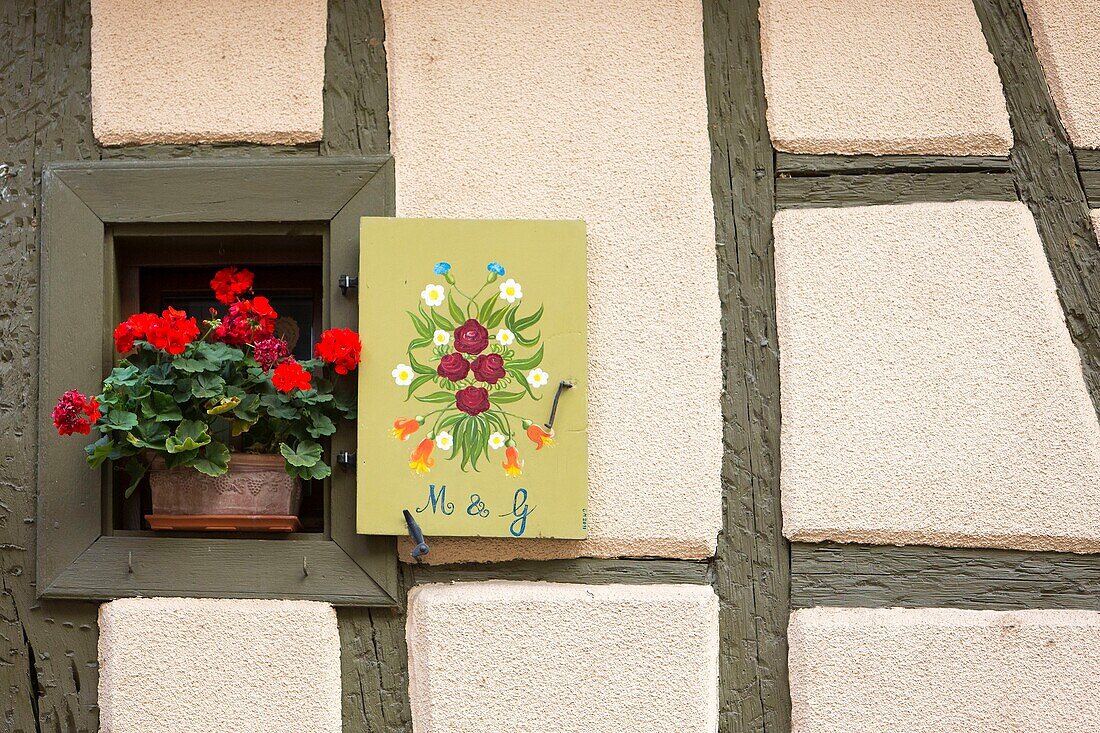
935,670
1067,39
880,77
591,109
208,70
930,390
235,666
519,657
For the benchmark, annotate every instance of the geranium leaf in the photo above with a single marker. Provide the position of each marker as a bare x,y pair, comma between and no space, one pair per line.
100,451
126,376
189,435
136,470
121,420
161,407
317,471
307,453
214,461
320,425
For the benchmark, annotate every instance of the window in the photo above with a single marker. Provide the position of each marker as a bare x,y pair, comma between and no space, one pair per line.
123,237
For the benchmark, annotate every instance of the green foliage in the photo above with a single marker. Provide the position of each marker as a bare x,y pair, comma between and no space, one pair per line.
193,410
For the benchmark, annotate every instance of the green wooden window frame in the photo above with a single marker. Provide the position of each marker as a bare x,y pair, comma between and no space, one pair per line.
79,554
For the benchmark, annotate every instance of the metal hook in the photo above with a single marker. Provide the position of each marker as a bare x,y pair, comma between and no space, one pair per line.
305,567
562,386
130,562
421,548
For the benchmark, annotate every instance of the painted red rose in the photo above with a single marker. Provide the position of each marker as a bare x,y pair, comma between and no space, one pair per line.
472,400
453,367
471,337
489,368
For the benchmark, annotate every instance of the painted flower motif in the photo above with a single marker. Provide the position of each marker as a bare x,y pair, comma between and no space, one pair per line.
433,295
537,378
341,348
442,268
505,337
472,400
488,368
290,376
471,337
497,441
441,337
402,374
403,427
75,413
510,290
453,366
496,268
512,464
444,441
539,436
421,460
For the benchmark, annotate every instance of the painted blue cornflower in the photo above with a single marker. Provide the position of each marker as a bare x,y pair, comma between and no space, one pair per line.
495,267
442,268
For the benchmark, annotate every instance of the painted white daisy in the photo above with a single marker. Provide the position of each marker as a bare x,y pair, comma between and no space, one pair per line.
441,337
505,337
511,290
445,441
537,378
433,294
402,374
497,441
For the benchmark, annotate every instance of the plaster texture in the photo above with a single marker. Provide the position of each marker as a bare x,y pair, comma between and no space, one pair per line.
934,670
208,70
522,657
930,390
592,109
881,77
197,665
1067,40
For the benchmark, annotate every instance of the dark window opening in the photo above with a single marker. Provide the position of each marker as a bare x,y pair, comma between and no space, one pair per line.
161,266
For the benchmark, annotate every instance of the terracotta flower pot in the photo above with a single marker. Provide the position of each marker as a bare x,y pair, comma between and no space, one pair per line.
255,485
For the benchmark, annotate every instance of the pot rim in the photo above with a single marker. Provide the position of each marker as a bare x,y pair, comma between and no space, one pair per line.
238,463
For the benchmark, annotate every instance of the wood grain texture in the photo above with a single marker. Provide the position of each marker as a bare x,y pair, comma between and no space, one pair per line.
919,577
48,650
802,164
581,570
1045,171
891,188
752,562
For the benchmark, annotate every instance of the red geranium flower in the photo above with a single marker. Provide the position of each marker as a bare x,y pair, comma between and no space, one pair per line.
75,413
471,337
489,368
341,348
247,322
270,352
172,331
133,328
472,400
290,376
229,284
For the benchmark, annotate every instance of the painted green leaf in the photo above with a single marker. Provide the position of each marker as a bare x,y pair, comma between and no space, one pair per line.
189,435
528,321
503,398
442,322
529,363
418,367
418,383
307,453
494,320
452,307
422,328
438,398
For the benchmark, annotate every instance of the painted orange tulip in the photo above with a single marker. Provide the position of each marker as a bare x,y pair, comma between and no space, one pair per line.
403,427
421,459
539,436
513,466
